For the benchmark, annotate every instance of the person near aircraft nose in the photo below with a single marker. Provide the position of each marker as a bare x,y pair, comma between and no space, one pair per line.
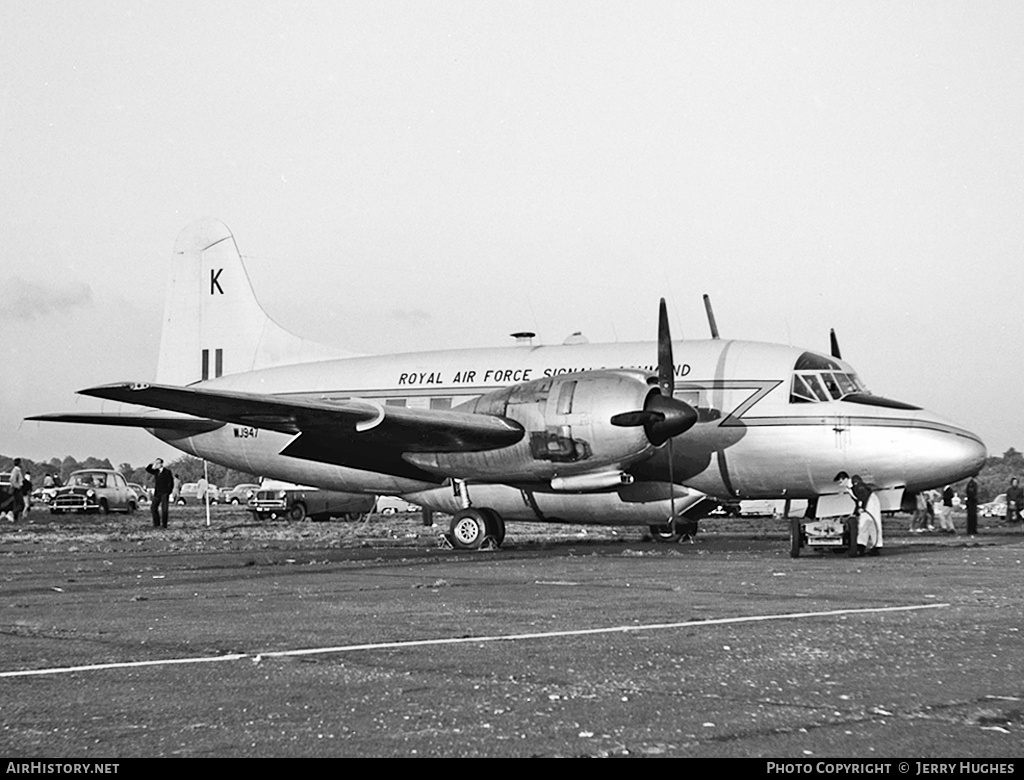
919,522
972,506
946,513
163,486
867,510
1014,499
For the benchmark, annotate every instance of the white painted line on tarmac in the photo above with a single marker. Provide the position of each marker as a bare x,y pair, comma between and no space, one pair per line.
469,640
125,665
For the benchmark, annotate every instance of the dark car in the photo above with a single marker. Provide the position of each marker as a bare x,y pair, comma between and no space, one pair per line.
282,500
95,490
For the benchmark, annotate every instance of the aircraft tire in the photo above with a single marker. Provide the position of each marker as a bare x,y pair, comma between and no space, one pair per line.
297,513
795,530
468,529
495,525
665,533
853,524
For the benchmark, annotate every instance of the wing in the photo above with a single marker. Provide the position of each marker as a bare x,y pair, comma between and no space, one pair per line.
326,424
187,426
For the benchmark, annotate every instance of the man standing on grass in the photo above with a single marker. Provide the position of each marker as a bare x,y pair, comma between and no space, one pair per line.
163,486
1014,499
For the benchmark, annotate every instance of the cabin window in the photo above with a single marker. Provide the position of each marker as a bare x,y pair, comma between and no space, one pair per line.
395,402
440,403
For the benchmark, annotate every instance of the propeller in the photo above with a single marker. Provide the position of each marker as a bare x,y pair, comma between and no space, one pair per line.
662,416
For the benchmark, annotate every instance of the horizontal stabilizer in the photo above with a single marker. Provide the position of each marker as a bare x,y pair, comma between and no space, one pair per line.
190,425
345,422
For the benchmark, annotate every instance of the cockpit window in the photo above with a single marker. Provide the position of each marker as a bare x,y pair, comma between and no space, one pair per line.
816,378
814,384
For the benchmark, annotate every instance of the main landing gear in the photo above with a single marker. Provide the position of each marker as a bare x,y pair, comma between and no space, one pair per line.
472,527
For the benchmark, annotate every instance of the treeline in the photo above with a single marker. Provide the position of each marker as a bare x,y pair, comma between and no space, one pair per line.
186,468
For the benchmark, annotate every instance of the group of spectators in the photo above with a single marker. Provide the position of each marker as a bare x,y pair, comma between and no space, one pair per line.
934,506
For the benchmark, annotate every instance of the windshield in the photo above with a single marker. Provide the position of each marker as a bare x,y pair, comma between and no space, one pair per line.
88,480
817,378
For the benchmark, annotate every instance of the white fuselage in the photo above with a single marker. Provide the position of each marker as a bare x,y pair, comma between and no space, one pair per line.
753,440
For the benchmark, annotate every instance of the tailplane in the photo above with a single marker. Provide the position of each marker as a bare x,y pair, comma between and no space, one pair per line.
213,324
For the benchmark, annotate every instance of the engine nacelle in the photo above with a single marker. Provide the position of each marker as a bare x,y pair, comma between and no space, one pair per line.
567,419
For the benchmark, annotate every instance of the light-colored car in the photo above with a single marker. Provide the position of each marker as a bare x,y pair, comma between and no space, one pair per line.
44,495
240,494
141,493
392,505
95,490
189,494
995,508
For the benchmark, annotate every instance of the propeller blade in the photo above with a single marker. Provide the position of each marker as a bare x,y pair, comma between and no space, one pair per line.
834,343
666,366
671,491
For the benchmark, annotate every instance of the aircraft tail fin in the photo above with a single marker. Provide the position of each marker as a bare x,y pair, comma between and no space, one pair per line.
213,324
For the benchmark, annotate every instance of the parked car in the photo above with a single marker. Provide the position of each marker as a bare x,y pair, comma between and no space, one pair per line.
283,500
391,505
6,500
141,493
95,490
726,509
995,508
43,495
239,494
189,493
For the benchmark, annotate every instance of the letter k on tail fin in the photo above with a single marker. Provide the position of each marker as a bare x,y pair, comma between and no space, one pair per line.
213,324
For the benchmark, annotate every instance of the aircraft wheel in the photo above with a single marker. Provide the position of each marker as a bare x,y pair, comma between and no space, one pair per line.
795,530
853,530
665,533
297,513
468,529
495,525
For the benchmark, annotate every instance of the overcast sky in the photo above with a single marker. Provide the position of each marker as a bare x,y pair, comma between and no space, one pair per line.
408,176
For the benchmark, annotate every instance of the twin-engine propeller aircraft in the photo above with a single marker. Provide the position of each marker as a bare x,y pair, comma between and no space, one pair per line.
611,434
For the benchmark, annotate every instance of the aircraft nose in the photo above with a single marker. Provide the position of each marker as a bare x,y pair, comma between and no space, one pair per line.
945,454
